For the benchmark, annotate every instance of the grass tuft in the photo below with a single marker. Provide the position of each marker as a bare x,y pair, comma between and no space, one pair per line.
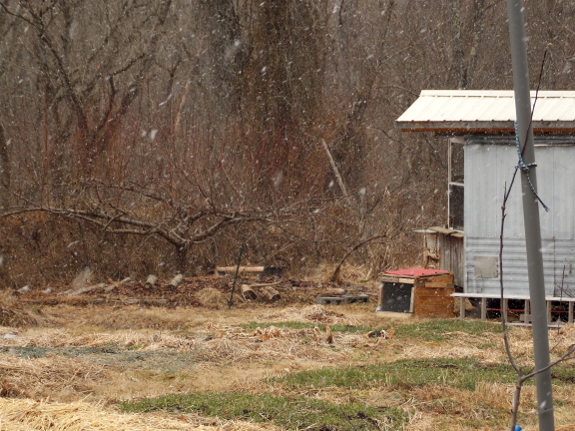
436,330
292,412
461,373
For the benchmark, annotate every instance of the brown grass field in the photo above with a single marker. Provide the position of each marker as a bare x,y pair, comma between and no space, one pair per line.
67,366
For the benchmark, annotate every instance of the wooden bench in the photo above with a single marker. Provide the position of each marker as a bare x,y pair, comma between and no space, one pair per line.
526,315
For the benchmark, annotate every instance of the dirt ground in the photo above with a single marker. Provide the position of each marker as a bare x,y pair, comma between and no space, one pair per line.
75,356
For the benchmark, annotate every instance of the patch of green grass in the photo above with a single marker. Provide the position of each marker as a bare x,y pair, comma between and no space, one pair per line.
293,412
462,373
434,330
301,325
135,347
486,346
563,373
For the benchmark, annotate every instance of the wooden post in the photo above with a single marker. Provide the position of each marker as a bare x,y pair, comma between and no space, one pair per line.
461,308
527,312
570,317
483,309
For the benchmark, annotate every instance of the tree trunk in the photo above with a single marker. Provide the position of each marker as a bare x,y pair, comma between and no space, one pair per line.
4,171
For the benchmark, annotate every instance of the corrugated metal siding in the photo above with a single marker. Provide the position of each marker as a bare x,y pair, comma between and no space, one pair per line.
482,106
556,255
488,168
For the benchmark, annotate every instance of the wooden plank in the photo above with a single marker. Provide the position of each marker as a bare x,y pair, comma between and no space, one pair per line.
390,279
441,291
405,280
444,279
87,289
436,284
434,306
443,230
430,309
421,306
444,298
232,269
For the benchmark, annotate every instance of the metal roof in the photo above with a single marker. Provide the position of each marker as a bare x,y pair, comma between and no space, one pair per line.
462,112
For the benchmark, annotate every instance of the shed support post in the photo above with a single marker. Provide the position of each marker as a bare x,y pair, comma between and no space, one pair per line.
462,308
527,312
570,318
483,309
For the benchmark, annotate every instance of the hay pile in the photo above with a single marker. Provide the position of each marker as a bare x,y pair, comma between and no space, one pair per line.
13,313
211,297
150,340
313,314
27,414
42,377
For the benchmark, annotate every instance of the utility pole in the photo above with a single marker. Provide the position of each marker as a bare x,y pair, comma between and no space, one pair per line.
515,10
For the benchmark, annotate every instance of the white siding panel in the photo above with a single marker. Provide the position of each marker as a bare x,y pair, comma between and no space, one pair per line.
488,167
563,209
557,255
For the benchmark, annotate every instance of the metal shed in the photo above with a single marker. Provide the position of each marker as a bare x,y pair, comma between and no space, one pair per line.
482,157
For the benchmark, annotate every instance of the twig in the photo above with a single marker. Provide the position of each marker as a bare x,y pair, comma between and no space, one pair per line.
231,301
336,171
335,274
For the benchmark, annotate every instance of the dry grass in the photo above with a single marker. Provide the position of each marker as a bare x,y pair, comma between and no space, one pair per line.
18,414
146,340
64,379
216,354
312,314
12,313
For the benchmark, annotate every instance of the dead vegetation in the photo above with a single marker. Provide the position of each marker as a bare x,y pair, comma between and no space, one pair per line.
88,358
79,361
27,414
14,313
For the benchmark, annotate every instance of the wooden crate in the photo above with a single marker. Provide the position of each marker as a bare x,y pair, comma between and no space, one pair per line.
429,292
